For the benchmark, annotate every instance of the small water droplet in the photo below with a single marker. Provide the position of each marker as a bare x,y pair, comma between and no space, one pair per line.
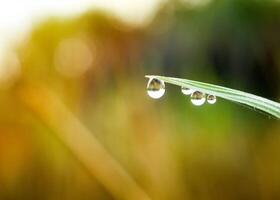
187,91
198,98
155,88
211,99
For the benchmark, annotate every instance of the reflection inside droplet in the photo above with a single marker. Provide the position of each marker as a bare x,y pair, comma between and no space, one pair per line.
198,98
155,88
187,91
211,99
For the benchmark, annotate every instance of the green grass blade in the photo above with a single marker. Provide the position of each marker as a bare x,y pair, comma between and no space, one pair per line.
251,100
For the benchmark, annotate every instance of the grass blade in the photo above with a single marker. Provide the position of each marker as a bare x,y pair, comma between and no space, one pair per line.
248,99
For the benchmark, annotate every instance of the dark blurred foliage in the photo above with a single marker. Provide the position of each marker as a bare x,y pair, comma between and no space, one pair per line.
95,64
235,40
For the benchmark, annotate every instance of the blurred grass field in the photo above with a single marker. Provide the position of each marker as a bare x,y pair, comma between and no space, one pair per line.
76,122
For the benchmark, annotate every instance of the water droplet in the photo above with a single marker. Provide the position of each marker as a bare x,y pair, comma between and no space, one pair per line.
155,88
211,99
187,91
198,98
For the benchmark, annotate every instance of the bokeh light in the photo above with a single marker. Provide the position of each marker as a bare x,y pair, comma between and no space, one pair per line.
73,57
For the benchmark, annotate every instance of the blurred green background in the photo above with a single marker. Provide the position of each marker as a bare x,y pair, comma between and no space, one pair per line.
77,85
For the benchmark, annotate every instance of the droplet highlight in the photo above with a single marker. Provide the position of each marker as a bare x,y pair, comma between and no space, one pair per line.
155,88
198,98
187,91
211,99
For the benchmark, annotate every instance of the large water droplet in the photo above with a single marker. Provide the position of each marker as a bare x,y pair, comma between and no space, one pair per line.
155,88
187,91
198,98
211,99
